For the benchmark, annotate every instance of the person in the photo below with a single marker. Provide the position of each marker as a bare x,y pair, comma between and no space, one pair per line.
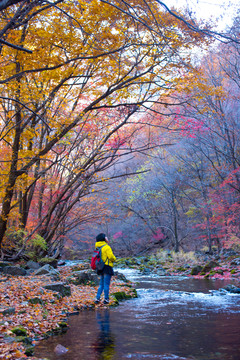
107,272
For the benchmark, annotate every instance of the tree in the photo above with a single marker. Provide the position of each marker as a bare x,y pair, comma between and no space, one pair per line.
85,61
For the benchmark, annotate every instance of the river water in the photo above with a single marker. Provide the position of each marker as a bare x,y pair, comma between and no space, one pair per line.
174,318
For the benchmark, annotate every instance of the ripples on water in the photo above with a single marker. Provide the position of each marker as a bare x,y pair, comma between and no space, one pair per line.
174,318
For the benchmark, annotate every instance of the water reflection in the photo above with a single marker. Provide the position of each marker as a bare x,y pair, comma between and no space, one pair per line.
105,342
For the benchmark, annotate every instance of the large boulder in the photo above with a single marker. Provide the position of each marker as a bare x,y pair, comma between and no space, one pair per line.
14,270
61,288
32,265
84,277
209,266
232,289
48,261
196,270
47,270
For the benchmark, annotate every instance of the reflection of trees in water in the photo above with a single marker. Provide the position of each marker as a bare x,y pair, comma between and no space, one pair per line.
105,342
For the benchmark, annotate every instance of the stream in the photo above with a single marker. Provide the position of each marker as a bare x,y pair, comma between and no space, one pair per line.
173,318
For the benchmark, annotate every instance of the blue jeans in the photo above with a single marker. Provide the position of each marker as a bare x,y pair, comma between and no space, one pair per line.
104,286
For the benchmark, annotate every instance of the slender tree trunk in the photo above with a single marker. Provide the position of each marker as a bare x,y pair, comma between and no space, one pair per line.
175,225
13,174
6,204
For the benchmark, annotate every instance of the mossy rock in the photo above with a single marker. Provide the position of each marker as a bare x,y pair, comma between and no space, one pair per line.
135,295
29,351
48,261
19,331
24,339
35,301
121,295
209,266
181,269
212,273
63,326
196,270
20,338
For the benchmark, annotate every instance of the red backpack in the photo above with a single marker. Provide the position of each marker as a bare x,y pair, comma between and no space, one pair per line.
97,263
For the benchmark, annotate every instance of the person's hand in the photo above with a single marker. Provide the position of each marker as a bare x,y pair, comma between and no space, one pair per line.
106,239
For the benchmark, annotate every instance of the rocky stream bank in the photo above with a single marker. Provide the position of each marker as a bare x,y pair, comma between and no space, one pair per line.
36,299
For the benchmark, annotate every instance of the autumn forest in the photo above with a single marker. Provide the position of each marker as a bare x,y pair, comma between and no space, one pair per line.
120,117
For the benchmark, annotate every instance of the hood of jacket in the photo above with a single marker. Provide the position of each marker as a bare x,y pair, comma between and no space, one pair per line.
98,244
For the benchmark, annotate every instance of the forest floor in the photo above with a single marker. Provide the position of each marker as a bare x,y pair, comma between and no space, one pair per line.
30,313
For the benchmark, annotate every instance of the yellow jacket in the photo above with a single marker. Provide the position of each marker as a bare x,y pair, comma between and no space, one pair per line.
106,252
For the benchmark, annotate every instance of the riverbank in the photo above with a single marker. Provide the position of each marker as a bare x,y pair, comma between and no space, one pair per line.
198,265
37,306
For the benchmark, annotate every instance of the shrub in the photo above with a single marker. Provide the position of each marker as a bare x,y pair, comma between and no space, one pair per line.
181,256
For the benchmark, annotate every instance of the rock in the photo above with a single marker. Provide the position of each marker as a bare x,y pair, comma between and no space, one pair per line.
161,272
19,331
83,277
120,276
30,272
30,351
3,264
23,339
60,350
7,310
61,263
61,288
36,300
146,271
47,270
14,270
209,266
219,292
121,295
33,265
196,270
232,289
49,261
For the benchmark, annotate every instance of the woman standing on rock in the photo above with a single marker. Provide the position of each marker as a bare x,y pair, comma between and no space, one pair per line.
107,272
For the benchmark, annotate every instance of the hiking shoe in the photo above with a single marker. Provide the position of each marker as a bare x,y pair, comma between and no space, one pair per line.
106,302
96,301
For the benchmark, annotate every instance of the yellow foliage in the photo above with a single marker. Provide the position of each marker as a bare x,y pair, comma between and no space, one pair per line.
96,56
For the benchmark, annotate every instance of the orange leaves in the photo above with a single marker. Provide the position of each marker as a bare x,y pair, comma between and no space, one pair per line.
12,351
41,317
